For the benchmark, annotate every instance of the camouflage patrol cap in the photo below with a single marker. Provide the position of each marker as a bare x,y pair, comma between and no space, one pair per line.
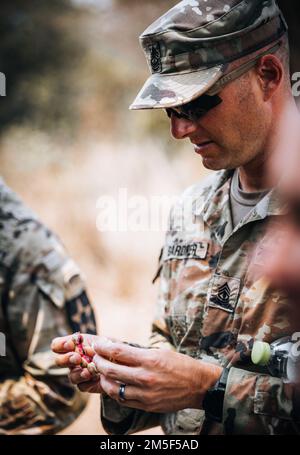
188,49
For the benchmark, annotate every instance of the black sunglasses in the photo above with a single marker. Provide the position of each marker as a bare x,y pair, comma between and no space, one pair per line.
194,110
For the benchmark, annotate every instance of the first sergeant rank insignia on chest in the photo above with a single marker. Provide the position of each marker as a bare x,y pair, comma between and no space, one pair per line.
155,56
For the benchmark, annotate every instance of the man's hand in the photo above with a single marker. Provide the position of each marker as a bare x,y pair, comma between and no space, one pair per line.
157,380
85,380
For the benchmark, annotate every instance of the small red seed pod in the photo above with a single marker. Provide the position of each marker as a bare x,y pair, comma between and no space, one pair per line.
86,360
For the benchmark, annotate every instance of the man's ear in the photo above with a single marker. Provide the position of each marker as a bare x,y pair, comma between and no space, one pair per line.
270,73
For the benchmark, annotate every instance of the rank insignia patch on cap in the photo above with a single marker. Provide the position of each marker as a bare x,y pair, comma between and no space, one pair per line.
155,58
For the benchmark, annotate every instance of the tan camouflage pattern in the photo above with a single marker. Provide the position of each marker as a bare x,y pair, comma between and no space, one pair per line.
38,282
214,302
163,92
190,46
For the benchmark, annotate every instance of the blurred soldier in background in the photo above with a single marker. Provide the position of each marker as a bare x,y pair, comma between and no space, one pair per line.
41,295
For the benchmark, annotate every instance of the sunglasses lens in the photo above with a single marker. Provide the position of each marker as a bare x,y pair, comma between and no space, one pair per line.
194,110
169,112
178,113
200,106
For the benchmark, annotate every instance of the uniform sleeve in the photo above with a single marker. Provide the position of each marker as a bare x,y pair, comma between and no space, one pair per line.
120,420
260,404
45,298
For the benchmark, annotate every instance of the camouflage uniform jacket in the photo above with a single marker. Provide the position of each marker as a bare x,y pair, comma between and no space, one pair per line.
42,296
212,306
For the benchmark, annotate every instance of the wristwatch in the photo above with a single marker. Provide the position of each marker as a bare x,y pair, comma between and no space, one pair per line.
214,399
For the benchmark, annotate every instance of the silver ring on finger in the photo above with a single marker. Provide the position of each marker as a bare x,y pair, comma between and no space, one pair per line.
122,392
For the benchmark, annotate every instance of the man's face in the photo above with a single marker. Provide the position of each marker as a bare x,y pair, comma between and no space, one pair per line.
233,133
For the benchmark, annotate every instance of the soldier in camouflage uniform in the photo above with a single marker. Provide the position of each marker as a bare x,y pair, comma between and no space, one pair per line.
218,69
41,295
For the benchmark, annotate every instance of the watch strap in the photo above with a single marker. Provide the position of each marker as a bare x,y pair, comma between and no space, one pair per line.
213,401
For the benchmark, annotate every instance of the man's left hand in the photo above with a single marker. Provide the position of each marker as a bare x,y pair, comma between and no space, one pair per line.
157,380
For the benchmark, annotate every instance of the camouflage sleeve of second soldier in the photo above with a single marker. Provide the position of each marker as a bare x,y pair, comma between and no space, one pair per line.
45,298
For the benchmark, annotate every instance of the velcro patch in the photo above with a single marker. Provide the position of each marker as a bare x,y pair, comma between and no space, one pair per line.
192,250
224,293
81,315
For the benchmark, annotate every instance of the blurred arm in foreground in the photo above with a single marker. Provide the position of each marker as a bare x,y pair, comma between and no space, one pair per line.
283,259
41,295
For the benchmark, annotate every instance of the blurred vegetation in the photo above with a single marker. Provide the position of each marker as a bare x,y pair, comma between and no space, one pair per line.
74,66
38,51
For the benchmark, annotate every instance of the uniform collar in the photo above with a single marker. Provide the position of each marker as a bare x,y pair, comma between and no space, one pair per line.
215,208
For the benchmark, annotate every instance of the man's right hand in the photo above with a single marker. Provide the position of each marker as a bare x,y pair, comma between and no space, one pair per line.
68,358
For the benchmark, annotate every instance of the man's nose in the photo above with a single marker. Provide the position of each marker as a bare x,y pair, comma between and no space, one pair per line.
181,128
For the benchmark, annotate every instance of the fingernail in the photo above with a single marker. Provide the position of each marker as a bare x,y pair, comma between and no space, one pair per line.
85,374
69,345
74,360
54,343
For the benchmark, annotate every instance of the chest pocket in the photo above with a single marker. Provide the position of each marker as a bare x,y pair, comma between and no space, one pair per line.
184,279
